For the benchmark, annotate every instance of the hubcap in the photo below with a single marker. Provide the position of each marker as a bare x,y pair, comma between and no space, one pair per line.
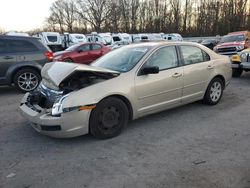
109,119
215,92
27,81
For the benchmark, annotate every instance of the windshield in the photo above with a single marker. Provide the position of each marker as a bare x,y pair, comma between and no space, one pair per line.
232,38
121,60
72,48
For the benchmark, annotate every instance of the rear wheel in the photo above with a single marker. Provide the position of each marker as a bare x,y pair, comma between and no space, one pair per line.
27,79
68,60
237,72
108,118
214,92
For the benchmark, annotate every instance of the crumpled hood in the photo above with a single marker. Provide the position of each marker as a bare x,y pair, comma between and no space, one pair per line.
56,72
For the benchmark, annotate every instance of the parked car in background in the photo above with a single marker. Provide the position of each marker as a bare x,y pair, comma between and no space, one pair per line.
210,43
14,33
84,53
232,43
241,62
125,84
21,60
51,39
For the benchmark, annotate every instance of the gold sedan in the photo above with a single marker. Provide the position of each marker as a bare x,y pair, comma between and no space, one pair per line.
125,84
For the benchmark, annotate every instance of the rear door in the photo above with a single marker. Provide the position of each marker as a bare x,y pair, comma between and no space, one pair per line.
82,54
197,70
8,58
96,51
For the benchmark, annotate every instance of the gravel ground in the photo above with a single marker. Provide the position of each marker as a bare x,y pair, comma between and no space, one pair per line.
194,146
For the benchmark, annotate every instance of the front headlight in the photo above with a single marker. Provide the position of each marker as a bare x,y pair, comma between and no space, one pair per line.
243,56
57,108
239,48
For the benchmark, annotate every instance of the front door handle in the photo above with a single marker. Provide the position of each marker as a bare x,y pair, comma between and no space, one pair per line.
209,67
8,57
176,75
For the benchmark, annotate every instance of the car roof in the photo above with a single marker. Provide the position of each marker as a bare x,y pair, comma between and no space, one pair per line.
162,43
16,37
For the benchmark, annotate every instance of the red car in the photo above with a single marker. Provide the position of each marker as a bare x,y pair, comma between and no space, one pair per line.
84,53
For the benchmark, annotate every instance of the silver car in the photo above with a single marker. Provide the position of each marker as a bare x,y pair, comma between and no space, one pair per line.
125,84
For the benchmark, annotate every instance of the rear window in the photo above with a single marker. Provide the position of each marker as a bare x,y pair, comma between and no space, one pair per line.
52,38
13,46
22,46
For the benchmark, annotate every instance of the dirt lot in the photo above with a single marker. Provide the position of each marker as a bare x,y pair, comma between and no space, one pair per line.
191,146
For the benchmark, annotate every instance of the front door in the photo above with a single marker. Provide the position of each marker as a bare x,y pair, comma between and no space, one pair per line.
156,92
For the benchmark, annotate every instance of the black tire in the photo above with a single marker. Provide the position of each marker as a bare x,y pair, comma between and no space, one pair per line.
109,118
69,60
237,72
31,82
213,96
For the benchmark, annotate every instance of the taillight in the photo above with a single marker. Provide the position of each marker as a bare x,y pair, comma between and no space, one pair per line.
49,55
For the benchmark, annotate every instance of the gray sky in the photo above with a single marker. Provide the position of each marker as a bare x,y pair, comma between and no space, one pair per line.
23,15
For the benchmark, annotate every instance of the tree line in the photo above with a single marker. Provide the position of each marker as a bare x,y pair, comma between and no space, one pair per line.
188,17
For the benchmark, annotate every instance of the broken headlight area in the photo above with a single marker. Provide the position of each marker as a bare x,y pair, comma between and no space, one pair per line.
44,97
51,99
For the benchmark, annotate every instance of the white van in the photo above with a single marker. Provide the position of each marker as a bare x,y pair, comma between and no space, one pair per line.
69,39
108,38
122,38
173,37
141,37
51,39
95,37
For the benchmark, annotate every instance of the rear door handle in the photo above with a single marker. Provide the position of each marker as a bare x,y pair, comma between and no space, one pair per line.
176,75
8,57
209,67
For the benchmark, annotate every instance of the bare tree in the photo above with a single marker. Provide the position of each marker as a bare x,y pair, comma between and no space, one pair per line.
189,17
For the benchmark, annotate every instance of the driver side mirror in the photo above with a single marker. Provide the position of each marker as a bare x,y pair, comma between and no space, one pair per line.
79,51
150,70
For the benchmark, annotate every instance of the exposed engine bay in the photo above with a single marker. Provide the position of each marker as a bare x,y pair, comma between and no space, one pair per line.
45,97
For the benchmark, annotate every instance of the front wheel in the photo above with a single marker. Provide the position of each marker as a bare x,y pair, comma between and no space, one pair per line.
69,60
214,92
108,118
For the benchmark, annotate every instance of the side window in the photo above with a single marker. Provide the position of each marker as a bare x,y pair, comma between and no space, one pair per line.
96,47
22,46
164,58
84,48
192,55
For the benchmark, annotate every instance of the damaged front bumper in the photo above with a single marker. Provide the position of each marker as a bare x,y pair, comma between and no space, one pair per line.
70,124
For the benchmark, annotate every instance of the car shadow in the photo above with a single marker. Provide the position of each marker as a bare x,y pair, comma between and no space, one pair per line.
9,90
